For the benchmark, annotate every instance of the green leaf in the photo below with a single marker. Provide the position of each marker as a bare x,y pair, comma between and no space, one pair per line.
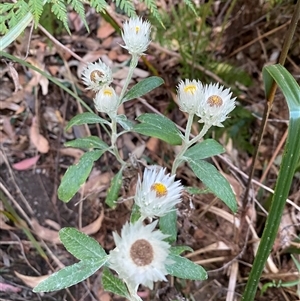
77,174
185,269
212,179
113,284
291,156
127,6
143,87
87,143
158,126
204,149
114,190
135,213
77,5
36,8
85,118
59,9
180,249
126,124
168,225
70,275
81,245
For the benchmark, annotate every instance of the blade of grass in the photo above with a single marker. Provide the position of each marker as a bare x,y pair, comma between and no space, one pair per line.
270,96
291,91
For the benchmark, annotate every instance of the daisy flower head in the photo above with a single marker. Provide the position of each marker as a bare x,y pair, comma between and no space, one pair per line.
190,95
157,194
106,101
216,105
140,255
96,75
136,35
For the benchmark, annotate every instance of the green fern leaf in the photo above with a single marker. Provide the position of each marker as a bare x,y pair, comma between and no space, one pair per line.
127,6
151,4
79,8
98,5
22,9
191,5
36,8
60,11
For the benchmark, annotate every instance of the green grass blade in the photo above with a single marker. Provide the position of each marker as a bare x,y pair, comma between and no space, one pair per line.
291,91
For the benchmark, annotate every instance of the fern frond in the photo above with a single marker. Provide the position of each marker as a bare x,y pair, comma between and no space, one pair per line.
22,10
98,5
127,6
59,9
36,8
79,8
191,5
151,4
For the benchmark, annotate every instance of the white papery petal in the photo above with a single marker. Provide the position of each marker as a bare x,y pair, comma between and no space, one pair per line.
151,268
190,95
136,35
157,194
216,105
96,75
106,101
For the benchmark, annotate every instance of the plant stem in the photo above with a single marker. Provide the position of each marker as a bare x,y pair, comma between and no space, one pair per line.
133,64
188,143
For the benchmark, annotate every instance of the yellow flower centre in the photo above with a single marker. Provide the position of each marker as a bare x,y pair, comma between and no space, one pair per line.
160,190
141,252
215,101
107,92
190,89
137,29
94,74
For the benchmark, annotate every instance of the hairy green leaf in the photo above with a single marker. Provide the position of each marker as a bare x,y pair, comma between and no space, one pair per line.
88,142
114,190
213,180
77,174
81,245
143,87
185,269
158,126
70,275
113,284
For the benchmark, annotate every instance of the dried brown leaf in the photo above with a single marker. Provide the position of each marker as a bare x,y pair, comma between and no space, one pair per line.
39,141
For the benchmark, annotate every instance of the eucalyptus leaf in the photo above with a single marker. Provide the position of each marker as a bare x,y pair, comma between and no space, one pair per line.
213,180
114,190
204,149
158,126
87,143
80,245
77,174
113,284
185,269
70,275
85,118
143,87
168,225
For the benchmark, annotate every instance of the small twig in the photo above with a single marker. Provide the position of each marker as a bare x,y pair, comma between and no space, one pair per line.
59,44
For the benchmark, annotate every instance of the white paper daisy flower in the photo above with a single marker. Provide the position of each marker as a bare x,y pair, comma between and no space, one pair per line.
157,194
140,255
136,35
190,95
216,105
96,75
106,101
